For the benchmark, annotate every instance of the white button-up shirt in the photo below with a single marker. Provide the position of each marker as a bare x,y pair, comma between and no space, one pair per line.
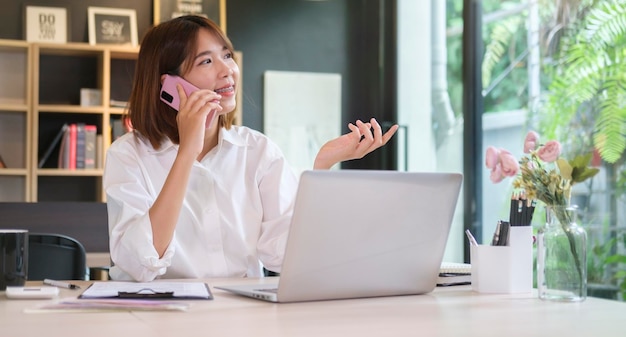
234,219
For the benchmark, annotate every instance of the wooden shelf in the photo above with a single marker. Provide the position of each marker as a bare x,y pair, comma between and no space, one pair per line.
15,119
13,172
69,173
5,105
63,108
41,91
53,106
117,111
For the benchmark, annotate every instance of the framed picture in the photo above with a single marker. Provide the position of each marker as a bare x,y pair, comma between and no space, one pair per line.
112,26
169,9
46,24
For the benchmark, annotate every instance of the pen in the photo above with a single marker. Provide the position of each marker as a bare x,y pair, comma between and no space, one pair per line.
471,238
60,284
496,234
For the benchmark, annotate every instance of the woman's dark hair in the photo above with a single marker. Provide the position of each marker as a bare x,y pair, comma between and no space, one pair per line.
165,49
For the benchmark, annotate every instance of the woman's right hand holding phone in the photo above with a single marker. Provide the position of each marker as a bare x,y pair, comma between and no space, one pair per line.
197,113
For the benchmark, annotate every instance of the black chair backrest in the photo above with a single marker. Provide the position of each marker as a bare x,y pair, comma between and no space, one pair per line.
55,256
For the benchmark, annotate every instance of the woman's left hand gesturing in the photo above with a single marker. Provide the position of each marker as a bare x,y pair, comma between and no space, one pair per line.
363,139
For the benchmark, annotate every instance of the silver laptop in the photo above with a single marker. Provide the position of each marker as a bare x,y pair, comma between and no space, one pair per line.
363,233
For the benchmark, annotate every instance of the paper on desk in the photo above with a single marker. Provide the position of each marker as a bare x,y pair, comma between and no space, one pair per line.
112,289
100,305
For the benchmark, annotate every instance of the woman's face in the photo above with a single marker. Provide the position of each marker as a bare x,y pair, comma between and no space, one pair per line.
214,68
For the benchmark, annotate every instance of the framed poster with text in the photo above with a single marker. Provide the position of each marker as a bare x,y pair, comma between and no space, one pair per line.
169,9
46,24
112,26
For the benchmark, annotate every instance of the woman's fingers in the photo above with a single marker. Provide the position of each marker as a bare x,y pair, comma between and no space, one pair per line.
387,136
377,130
366,133
373,137
201,101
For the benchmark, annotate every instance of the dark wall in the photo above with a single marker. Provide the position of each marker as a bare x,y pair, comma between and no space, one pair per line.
355,38
289,36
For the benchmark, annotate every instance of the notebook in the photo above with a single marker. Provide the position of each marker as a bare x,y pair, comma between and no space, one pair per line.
454,273
363,233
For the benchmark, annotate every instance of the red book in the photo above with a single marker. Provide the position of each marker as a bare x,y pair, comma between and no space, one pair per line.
73,131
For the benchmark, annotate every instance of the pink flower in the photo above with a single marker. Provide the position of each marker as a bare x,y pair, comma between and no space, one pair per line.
530,142
491,157
501,162
496,175
550,151
509,164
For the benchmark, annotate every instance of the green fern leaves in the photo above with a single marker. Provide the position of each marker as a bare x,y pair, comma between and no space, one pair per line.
591,79
499,40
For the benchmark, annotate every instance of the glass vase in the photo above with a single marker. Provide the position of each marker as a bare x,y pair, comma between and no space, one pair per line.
562,257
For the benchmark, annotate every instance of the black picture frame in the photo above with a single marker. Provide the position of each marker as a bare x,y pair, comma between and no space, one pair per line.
213,9
112,26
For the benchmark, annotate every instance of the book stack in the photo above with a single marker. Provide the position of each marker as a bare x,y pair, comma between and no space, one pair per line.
78,147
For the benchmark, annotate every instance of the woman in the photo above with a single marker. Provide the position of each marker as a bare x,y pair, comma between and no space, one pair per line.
189,195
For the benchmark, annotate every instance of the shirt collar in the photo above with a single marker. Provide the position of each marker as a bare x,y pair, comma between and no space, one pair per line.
166,145
230,136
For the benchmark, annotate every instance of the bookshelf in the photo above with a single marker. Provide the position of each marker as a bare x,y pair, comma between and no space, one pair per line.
60,71
15,120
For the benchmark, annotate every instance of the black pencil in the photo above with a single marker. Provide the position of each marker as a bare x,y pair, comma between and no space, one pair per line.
512,209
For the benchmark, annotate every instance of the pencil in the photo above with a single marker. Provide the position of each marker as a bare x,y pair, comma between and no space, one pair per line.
512,209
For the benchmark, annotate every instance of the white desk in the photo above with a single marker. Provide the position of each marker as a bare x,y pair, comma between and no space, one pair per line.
452,311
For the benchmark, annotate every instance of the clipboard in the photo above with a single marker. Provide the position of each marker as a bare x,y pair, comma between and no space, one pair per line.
170,290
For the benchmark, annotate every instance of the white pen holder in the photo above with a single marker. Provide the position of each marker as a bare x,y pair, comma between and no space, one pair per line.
504,269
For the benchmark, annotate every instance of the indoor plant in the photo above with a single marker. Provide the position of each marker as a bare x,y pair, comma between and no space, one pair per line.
544,176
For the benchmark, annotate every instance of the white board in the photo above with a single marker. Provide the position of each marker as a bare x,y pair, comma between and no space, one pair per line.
302,111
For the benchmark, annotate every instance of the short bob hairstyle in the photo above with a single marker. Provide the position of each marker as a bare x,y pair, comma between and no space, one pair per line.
164,50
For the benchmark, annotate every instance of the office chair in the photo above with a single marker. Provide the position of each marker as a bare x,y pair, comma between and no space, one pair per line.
55,256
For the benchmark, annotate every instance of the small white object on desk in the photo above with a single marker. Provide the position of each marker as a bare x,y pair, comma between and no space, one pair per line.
504,269
32,292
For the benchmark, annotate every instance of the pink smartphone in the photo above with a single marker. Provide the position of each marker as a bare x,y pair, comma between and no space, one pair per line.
169,93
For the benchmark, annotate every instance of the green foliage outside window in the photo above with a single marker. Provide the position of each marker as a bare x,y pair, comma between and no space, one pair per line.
583,87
